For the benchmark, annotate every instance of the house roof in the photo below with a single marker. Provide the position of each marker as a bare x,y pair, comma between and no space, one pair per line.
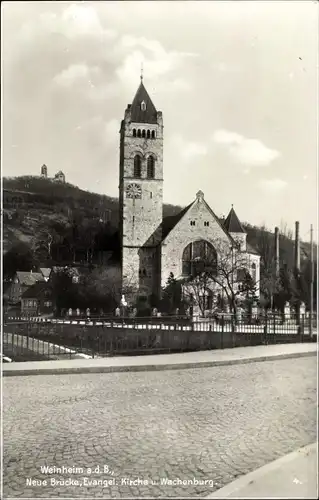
137,114
35,290
28,278
232,223
46,271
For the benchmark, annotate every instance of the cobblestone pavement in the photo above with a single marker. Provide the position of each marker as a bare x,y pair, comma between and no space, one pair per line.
210,424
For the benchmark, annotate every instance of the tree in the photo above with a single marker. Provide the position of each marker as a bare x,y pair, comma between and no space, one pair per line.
224,269
65,291
19,258
172,295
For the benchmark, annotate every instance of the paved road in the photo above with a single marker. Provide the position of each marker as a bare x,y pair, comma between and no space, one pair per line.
207,423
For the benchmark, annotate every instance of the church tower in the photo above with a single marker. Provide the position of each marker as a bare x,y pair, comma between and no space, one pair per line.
141,194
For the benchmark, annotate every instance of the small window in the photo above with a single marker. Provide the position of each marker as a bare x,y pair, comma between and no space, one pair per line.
144,272
206,223
151,195
148,134
153,134
143,106
134,132
192,223
143,133
139,133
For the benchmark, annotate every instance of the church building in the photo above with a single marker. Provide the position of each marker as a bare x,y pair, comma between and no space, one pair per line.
153,246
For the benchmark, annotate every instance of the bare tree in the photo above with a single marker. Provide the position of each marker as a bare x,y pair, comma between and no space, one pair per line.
224,269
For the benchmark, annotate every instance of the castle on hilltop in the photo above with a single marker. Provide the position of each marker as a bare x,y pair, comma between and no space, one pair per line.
59,176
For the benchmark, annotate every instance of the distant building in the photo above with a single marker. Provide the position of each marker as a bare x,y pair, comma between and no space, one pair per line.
59,177
38,300
22,281
44,171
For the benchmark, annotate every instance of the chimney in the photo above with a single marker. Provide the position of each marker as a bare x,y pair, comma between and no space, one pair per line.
297,248
277,251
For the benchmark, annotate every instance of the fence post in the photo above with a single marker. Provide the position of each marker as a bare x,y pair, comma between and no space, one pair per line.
233,330
28,335
223,332
266,330
274,324
302,329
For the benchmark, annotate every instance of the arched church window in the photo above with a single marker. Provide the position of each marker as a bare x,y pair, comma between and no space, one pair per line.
153,134
148,135
139,133
199,256
143,133
143,106
137,166
150,167
134,132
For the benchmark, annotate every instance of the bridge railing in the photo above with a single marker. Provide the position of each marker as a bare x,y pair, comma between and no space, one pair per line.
57,339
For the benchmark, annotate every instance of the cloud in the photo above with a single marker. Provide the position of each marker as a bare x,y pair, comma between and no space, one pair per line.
75,73
188,150
248,152
74,22
80,20
272,186
156,60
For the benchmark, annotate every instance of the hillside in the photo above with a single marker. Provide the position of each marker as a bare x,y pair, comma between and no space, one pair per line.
34,206
31,205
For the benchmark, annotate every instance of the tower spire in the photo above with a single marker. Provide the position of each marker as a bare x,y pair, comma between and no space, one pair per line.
141,72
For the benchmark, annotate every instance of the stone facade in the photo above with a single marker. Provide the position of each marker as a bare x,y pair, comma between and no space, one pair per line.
185,232
141,201
152,247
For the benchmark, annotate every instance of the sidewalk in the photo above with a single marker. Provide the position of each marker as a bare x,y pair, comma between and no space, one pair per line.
163,361
292,476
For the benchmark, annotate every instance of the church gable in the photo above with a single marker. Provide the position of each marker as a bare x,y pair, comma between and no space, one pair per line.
196,221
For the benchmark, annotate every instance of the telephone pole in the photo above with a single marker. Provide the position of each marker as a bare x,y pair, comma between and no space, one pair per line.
311,279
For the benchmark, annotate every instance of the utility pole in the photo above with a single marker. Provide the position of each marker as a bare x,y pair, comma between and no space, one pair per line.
311,279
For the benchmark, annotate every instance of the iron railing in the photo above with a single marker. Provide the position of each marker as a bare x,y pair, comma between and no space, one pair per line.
58,339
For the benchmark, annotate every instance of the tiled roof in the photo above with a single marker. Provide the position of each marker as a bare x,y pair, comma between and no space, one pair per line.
35,290
232,223
137,114
28,279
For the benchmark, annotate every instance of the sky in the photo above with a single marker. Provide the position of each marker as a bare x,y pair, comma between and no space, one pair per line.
237,83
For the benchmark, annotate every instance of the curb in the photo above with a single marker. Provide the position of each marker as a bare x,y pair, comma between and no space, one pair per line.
252,477
156,367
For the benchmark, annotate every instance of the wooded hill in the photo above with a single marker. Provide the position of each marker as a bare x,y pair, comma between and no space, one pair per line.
41,212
